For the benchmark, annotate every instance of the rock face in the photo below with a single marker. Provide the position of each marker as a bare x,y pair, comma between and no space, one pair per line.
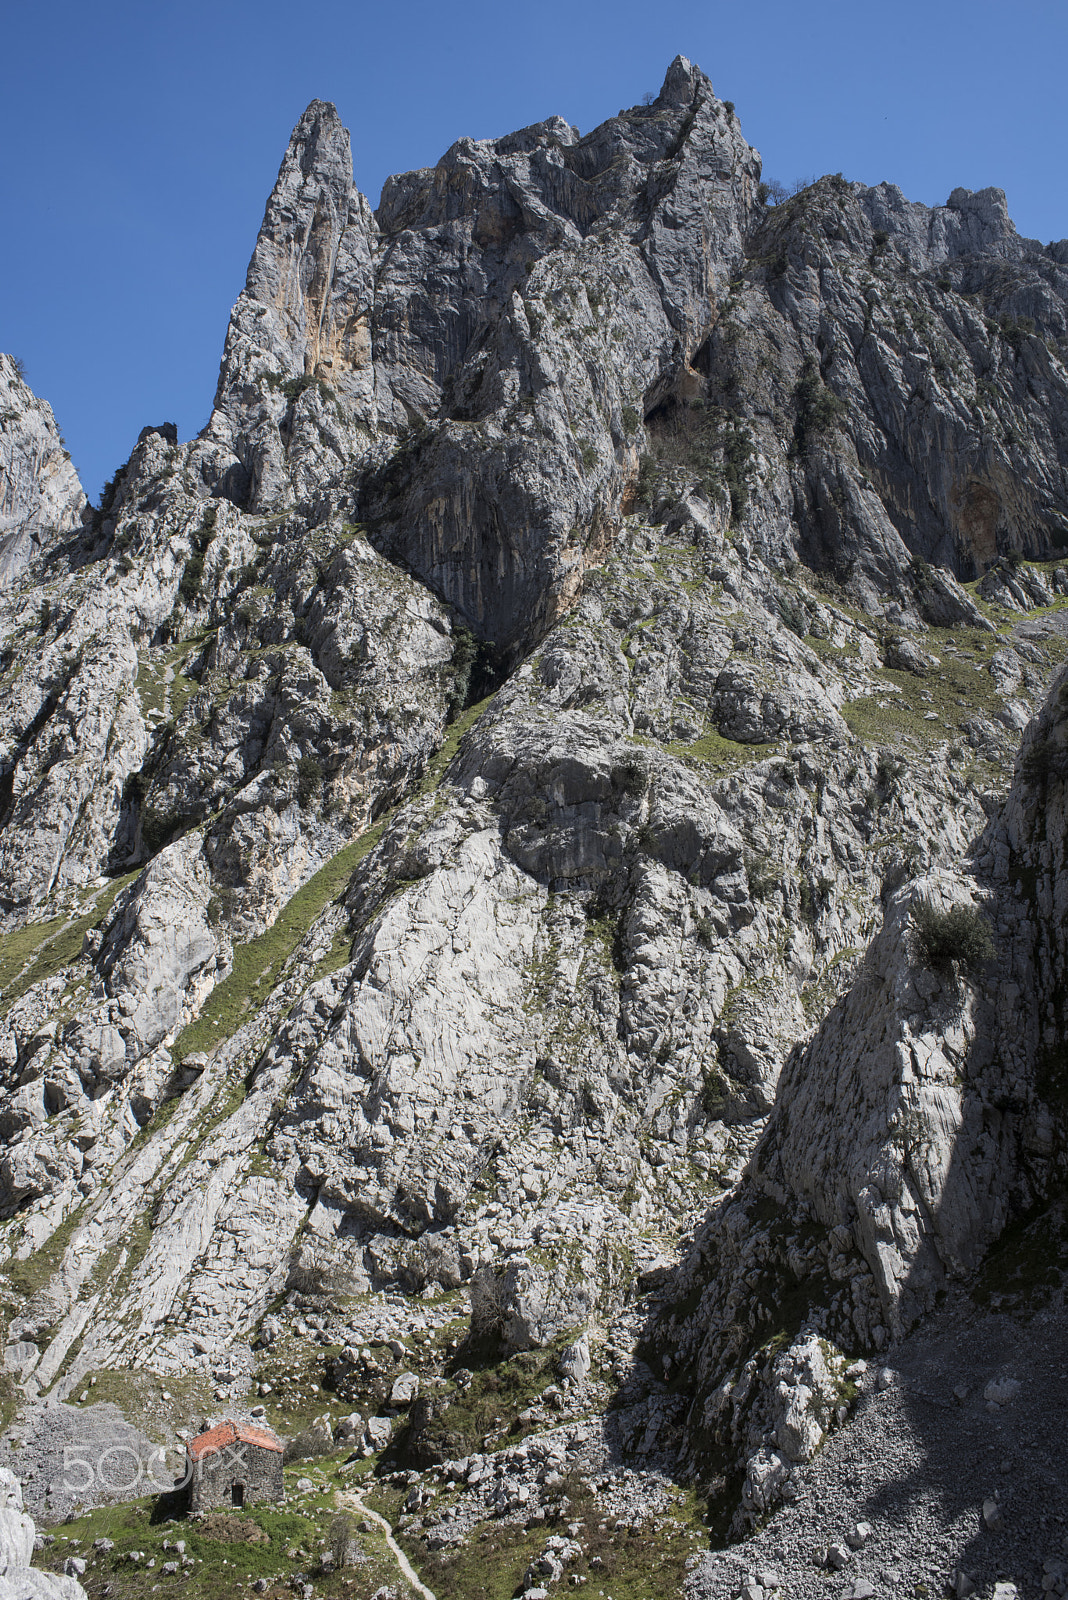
918,1120
17,1579
469,817
40,496
296,393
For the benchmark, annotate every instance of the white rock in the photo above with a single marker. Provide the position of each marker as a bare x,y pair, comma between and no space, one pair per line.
379,1432
404,1390
574,1361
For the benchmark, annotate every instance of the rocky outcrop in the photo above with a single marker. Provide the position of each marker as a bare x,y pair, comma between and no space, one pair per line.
449,321
922,1068
924,1114
972,343
296,397
620,243
40,495
158,943
71,735
18,1581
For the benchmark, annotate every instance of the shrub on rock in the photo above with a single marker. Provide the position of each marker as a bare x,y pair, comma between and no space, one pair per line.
959,936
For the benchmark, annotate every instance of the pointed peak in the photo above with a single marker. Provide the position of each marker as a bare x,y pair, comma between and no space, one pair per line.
319,140
681,83
42,496
323,112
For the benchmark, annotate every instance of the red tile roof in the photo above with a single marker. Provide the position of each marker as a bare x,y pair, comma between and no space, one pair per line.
205,1444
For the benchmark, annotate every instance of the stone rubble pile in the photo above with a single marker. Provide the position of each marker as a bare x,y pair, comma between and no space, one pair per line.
18,1536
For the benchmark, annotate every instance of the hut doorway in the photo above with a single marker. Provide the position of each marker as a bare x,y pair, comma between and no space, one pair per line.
237,1494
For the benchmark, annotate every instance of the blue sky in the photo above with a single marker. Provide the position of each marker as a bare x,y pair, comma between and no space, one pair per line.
140,142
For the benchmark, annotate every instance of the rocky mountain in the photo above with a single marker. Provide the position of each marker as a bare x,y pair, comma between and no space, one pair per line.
543,829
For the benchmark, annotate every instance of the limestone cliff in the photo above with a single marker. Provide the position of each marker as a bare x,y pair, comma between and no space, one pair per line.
466,815
40,496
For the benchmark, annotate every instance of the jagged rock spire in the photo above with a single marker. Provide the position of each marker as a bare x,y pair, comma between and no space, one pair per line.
40,493
308,267
299,335
681,82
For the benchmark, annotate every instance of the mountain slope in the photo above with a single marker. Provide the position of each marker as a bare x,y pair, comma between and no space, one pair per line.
466,812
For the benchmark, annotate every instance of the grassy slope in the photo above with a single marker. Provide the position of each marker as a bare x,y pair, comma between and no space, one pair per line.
258,964
228,1550
42,949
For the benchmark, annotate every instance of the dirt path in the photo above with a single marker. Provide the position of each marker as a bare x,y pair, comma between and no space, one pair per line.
354,1498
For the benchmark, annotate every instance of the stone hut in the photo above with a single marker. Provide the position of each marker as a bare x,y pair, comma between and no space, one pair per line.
233,1464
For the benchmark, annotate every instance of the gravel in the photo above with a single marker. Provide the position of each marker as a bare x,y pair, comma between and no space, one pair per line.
66,1458
959,1491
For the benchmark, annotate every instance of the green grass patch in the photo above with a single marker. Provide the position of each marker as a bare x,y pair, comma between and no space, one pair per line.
453,735
30,1275
336,957
954,691
831,652
18,949
41,950
488,1566
227,1550
180,691
716,753
259,963
628,1563
155,693
150,686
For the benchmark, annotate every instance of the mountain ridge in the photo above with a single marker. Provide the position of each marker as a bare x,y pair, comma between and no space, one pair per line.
469,811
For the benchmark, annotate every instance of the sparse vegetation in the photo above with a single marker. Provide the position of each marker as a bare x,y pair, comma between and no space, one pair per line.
762,875
707,441
819,410
189,584
293,388
41,950
959,937
309,780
